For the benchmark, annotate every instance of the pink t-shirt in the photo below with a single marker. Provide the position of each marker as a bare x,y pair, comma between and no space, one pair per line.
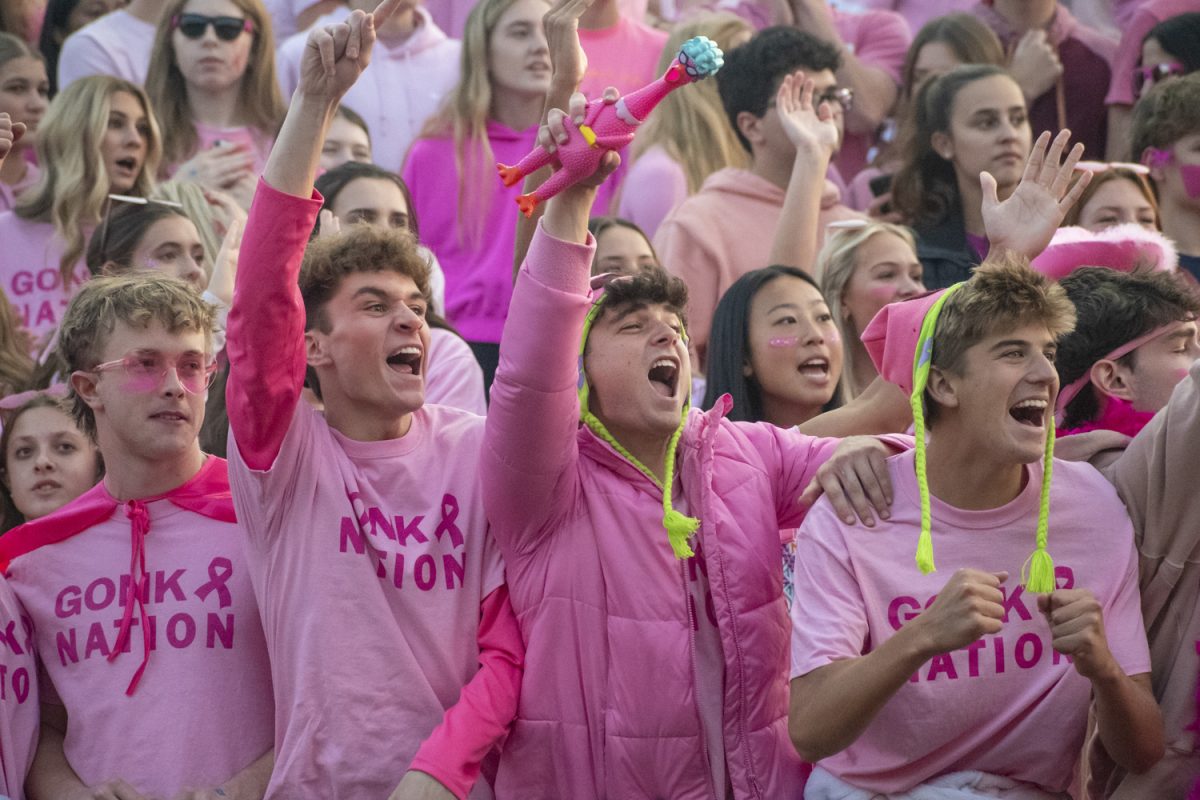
117,44
879,39
1006,704
202,710
625,56
18,694
399,93
391,533
453,376
29,272
915,12
9,193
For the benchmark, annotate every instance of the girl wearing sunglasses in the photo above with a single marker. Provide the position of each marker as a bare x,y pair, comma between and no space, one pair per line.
212,80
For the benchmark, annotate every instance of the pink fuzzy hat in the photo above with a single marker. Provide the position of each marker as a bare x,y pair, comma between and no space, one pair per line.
891,338
1121,247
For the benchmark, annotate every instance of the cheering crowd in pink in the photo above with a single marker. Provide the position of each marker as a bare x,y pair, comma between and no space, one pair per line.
833,440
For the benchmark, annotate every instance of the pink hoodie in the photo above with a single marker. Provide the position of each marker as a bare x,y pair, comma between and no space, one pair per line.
609,705
724,231
29,273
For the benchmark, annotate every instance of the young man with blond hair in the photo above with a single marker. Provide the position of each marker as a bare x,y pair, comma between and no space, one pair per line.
144,616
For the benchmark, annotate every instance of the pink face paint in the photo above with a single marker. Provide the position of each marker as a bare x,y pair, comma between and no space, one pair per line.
784,341
1190,173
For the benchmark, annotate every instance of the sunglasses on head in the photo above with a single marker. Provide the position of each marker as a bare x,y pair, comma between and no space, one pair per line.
1146,77
193,26
122,198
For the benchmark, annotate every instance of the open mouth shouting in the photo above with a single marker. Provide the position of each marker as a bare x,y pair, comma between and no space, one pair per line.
1030,412
815,368
664,376
406,360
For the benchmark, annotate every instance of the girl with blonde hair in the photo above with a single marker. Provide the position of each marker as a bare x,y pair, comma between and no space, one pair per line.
687,138
16,366
212,82
468,217
861,269
98,138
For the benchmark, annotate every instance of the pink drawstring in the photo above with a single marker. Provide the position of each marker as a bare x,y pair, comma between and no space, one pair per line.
139,526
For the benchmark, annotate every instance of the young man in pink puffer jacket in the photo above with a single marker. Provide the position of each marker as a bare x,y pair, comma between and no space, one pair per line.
657,659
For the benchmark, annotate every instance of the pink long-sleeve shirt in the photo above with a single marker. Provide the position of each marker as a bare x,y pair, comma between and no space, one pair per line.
392,641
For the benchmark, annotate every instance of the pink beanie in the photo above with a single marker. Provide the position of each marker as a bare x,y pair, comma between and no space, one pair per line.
1121,247
891,338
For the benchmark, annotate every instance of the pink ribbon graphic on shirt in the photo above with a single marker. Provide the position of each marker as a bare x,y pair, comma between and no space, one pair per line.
139,526
220,570
449,515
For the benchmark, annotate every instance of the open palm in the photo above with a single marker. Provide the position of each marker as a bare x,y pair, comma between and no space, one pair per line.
808,128
1027,220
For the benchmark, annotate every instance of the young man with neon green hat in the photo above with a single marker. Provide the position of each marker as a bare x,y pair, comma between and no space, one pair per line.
959,645
641,541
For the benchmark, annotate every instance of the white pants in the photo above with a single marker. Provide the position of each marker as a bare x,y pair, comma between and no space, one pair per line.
969,785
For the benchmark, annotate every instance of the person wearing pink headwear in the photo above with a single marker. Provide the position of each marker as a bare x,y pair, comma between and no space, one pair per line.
947,675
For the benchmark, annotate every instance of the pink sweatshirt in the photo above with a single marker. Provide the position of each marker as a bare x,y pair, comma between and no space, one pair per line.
1129,53
392,642
18,694
1154,476
183,700
611,706
401,90
29,272
1005,705
117,44
654,186
722,232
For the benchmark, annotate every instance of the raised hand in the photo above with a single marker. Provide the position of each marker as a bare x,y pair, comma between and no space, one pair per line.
1027,220
328,225
567,59
220,285
335,55
856,480
1077,627
10,133
556,131
809,129
969,606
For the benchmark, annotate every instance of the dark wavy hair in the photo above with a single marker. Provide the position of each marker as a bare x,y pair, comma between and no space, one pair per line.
728,351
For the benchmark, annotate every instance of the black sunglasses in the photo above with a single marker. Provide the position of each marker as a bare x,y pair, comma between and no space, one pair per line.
227,29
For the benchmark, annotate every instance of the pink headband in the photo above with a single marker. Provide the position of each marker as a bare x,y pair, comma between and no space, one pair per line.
14,401
1067,394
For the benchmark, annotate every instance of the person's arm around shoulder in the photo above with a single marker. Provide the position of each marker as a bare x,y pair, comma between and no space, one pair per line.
265,335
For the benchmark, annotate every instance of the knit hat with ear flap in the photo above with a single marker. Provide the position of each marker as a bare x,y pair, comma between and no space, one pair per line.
900,342
679,527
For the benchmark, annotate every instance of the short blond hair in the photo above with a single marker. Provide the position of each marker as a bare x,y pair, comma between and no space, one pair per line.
136,299
1002,294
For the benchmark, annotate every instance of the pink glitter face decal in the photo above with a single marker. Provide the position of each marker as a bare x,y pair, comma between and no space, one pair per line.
784,341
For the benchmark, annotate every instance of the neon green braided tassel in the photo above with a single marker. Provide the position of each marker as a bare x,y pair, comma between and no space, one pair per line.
1038,572
679,530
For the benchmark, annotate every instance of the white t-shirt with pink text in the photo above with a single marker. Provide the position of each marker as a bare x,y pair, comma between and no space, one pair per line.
1007,704
29,272
370,560
202,710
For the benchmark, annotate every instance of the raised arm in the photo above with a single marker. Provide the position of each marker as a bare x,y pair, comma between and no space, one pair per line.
814,134
265,335
529,446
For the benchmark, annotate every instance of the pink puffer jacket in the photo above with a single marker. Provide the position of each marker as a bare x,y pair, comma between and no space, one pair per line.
608,707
